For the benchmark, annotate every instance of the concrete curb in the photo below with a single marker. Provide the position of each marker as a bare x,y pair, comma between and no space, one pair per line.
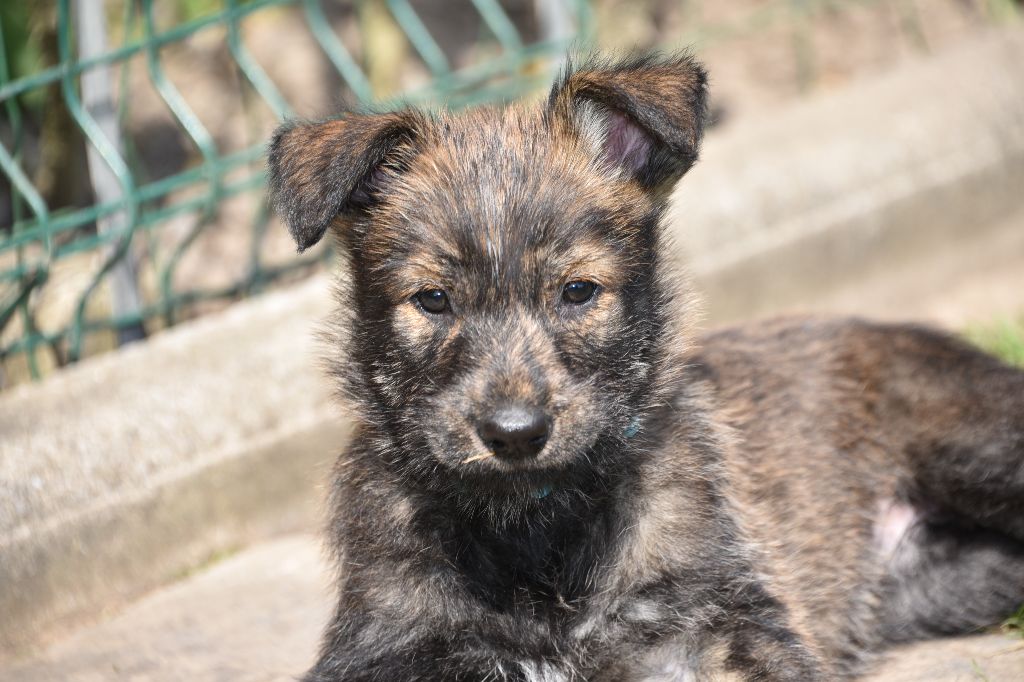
857,183
127,470
121,473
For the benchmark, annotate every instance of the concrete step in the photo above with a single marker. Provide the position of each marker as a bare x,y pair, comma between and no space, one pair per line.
256,616
251,617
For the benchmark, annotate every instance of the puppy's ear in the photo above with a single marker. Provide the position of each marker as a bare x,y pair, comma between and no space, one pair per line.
322,171
644,116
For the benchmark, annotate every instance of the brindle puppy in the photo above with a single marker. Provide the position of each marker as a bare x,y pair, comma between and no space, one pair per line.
548,482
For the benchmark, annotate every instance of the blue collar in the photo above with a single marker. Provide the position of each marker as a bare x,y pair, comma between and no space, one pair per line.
541,493
632,428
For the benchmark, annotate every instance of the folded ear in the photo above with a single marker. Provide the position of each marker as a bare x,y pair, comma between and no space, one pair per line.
643,116
322,171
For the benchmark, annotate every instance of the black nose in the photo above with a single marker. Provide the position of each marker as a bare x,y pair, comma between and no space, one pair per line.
515,432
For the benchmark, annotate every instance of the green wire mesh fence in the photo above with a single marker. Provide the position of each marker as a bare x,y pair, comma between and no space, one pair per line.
111,229
128,207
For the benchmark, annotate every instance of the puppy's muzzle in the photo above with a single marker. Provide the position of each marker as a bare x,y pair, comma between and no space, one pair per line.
515,432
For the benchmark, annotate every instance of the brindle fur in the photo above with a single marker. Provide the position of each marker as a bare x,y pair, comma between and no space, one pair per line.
800,493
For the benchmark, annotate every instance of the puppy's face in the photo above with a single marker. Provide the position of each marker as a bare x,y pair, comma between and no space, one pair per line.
506,307
503,284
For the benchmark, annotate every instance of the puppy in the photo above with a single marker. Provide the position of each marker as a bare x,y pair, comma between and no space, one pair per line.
549,482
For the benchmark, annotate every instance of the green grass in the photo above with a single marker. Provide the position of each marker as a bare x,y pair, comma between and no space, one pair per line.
1014,625
1004,338
214,557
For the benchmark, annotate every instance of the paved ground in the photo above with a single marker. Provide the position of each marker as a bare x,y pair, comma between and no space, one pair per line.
989,658
252,617
256,616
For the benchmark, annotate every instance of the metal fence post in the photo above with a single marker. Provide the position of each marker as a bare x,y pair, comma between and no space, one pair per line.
98,101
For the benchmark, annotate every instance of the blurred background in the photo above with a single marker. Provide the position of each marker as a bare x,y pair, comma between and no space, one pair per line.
164,424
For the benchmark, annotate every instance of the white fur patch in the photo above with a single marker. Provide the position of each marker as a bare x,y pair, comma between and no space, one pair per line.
643,611
667,663
542,672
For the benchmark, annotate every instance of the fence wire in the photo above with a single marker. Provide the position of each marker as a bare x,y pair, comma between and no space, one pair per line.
125,206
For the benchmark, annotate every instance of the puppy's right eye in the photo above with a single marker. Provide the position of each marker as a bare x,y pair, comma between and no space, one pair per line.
433,301
578,291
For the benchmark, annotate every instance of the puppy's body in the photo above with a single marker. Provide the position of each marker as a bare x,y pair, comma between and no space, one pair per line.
872,466
548,483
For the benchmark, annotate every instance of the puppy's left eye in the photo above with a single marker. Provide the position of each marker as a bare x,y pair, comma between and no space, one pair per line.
434,301
578,291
